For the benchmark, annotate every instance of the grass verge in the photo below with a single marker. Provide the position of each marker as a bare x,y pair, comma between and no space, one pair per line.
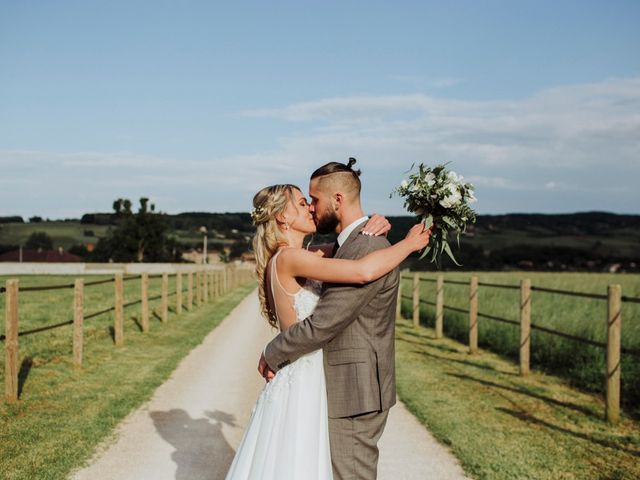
63,413
583,365
503,426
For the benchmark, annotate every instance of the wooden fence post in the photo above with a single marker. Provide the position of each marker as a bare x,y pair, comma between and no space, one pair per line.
198,288
11,341
225,280
118,326
190,291
416,299
212,293
178,293
78,321
164,306
473,315
614,327
439,305
205,286
399,302
144,291
525,326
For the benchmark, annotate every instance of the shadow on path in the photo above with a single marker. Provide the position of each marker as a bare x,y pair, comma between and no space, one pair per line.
201,451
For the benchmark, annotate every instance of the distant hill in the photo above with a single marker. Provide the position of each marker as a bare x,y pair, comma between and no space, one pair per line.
588,241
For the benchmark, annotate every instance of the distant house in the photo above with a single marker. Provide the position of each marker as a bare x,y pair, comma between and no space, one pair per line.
248,257
195,256
40,255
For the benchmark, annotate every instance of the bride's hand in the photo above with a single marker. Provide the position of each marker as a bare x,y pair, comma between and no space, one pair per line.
418,237
377,225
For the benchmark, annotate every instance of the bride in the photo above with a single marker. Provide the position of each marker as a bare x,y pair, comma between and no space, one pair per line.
287,436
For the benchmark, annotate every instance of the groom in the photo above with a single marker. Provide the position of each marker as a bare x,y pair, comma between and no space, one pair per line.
353,324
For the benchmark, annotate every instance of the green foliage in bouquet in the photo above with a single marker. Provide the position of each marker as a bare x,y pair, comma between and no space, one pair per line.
440,199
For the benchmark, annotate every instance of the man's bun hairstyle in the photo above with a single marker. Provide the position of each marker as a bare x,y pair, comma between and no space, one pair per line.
332,168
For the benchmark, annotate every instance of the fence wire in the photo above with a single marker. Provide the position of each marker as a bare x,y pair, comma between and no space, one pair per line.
595,296
86,317
627,351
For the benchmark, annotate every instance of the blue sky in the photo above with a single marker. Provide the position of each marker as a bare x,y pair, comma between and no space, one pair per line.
199,104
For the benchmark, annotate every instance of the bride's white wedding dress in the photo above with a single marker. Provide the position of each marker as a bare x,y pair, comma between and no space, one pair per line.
287,437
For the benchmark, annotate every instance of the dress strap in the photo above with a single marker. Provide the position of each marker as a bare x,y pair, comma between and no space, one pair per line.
274,273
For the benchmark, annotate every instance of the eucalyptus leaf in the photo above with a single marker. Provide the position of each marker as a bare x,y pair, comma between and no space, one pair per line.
450,253
428,222
426,250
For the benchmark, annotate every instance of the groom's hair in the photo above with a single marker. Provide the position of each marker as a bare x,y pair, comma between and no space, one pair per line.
337,176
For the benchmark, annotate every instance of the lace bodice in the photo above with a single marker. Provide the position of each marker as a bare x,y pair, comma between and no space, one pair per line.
306,299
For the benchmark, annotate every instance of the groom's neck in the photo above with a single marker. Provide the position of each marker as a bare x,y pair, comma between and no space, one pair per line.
349,215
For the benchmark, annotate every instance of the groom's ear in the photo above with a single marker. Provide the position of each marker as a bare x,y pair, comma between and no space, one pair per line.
339,200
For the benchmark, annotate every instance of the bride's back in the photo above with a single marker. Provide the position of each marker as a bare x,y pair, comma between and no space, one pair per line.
287,296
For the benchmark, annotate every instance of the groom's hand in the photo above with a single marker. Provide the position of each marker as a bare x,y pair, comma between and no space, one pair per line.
265,370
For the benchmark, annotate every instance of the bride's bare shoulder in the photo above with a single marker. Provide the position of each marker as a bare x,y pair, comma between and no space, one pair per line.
295,254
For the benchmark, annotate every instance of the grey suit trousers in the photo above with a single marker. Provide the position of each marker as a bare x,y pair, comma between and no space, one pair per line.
354,445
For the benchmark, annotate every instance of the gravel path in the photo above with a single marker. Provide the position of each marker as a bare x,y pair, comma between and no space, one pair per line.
190,428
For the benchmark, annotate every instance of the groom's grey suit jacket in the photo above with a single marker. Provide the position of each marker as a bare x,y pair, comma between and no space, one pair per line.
355,326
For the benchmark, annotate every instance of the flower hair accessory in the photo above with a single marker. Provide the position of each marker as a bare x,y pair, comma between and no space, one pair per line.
257,213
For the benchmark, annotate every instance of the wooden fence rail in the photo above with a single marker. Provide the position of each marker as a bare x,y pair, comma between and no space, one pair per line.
210,285
613,347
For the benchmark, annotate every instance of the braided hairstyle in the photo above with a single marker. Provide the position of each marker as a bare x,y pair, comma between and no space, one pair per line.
267,204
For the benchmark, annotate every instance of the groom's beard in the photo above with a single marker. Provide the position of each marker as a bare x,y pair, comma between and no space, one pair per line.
327,223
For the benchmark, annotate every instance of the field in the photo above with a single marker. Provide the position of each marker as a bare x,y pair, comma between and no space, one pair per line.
64,412
502,426
64,234
67,234
580,364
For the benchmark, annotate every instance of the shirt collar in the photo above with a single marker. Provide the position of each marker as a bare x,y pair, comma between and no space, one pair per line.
344,234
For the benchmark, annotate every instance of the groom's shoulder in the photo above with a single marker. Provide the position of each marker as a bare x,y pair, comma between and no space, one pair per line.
368,243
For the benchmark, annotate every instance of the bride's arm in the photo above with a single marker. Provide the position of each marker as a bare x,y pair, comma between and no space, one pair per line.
301,263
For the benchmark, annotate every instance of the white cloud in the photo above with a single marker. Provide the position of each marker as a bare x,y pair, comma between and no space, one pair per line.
552,151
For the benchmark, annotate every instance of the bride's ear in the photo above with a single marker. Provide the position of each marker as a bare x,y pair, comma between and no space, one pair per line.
282,221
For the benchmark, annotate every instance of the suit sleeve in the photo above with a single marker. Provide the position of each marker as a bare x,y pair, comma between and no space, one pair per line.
339,305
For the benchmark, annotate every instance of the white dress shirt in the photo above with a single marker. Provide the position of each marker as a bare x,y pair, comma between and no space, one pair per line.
344,234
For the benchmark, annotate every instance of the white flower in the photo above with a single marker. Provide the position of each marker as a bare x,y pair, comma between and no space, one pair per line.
450,200
430,178
471,198
453,177
404,184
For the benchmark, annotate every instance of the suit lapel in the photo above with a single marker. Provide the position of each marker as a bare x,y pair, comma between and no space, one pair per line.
352,236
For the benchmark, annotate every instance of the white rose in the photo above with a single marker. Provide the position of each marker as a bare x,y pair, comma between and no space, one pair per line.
450,200
430,178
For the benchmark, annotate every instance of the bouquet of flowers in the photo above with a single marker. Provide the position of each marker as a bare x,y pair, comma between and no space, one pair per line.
440,199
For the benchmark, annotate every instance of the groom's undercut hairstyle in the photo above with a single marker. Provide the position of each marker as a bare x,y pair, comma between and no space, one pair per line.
336,176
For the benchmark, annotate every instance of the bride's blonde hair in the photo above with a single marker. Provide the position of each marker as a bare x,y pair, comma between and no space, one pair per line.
268,203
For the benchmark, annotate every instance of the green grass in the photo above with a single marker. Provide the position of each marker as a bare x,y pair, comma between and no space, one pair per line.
503,426
64,413
67,234
64,234
580,364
